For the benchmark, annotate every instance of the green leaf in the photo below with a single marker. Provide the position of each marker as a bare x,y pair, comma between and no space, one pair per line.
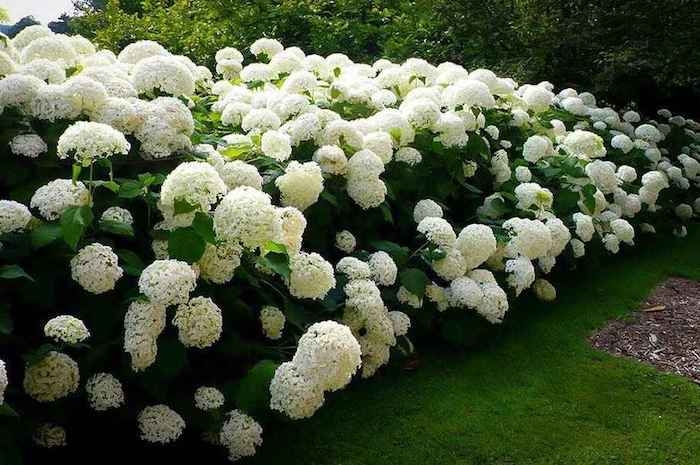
45,234
271,246
117,227
6,323
38,354
565,201
253,396
203,224
183,206
7,411
235,151
13,272
110,185
130,262
186,244
129,189
386,213
277,262
74,222
398,252
588,192
414,280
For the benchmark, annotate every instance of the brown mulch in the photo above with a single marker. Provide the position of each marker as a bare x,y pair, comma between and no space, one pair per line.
665,332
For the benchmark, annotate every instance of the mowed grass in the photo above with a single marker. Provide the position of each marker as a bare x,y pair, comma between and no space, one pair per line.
536,395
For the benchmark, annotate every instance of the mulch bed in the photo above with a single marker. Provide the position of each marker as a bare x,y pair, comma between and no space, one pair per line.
665,332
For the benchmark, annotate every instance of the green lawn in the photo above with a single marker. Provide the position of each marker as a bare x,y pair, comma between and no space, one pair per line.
537,395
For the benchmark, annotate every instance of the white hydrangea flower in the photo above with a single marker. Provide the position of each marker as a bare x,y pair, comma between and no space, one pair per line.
66,328
53,377
240,434
143,323
353,268
276,144
247,216
86,142
464,292
28,145
96,268
19,90
529,238
476,243
611,243
331,159
49,48
426,208
293,394
328,355
538,98
311,276
622,142
167,282
623,230
532,195
408,155
405,296
104,392
208,398
648,133
366,192
494,303
139,50
272,321
160,424
521,274
239,173
383,268
118,215
603,175
437,230
584,145
401,322
48,436
523,174
683,211
345,241
195,183
219,262
162,73
266,47
537,147
300,185
199,322
14,216
544,290
59,195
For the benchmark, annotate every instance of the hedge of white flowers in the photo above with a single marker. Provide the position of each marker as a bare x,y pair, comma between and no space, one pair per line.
196,252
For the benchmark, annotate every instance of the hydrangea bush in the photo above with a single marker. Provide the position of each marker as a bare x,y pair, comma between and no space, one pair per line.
207,251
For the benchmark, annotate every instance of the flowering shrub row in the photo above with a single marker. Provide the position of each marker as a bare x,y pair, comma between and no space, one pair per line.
188,252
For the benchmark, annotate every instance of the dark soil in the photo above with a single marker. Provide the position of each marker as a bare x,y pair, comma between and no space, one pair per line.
664,332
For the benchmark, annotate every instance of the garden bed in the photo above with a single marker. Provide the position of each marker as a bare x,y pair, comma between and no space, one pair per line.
665,332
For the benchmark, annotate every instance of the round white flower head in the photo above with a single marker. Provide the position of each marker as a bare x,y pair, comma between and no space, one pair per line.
530,238
407,297
584,144
199,322
48,435
538,98
160,424
477,243
66,328
96,268
166,74
345,241
167,282
53,377
426,208
584,226
3,381
197,184
544,290
464,292
531,195
293,394
401,322
117,215
648,133
28,145
408,155
239,173
49,48
276,144
229,53
19,90
208,398
328,355
438,231
683,211
241,435
104,392
247,216
272,321
611,243
383,268
626,173
29,34
311,276
87,141
264,48
353,268
137,51
622,142
219,262
603,175
14,216
331,159
300,185
523,174
143,323
366,192
521,274
494,304
57,196
623,230
537,147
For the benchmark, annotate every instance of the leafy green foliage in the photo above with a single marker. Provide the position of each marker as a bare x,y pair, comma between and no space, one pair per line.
74,222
